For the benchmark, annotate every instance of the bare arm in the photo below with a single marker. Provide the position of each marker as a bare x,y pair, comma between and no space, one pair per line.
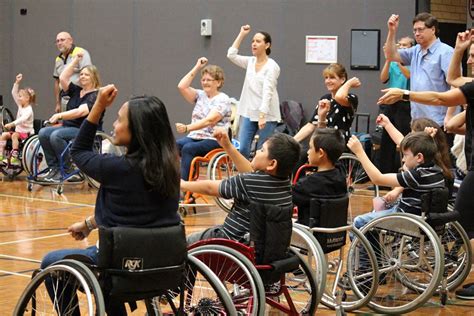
184,86
454,77
57,108
222,137
210,120
207,187
384,74
392,131
389,179
304,132
457,124
390,44
343,92
65,76
452,97
405,70
244,31
81,111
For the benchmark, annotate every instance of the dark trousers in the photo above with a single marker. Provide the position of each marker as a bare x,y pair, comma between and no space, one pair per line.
399,115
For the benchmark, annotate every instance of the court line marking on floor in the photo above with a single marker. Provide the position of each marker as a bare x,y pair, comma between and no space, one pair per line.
14,273
45,200
32,239
20,258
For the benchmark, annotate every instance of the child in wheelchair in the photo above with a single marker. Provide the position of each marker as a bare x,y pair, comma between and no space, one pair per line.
423,171
329,181
24,99
264,180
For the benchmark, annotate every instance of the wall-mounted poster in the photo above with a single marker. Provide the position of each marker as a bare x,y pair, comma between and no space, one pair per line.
321,49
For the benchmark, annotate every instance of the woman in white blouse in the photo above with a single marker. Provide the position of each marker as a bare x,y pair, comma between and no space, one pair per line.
259,106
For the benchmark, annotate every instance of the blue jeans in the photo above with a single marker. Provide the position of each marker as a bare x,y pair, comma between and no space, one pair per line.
112,307
361,220
248,130
54,140
68,293
190,148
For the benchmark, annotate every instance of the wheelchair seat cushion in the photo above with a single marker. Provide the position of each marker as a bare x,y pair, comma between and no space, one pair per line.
270,231
141,262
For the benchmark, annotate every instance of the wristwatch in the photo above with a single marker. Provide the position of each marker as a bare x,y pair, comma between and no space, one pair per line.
406,95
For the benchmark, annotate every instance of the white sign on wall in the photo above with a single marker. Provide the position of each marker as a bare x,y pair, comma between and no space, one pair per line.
321,49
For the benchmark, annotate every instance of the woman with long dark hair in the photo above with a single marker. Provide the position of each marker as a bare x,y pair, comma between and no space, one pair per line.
139,189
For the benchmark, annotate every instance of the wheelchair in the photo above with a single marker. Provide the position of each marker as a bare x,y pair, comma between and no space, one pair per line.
267,271
418,255
8,169
34,162
126,272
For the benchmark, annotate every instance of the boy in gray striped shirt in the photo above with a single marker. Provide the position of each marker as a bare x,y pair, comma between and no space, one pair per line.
266,180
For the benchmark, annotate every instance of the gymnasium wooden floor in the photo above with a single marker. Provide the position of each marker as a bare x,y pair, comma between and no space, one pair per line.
33,223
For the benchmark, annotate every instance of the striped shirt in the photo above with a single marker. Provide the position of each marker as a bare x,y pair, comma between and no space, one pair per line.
416,182
255,186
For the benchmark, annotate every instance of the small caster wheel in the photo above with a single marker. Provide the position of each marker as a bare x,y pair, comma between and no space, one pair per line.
60,190
30,187
444,298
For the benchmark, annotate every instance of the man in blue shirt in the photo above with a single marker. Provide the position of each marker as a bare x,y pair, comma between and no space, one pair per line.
428,61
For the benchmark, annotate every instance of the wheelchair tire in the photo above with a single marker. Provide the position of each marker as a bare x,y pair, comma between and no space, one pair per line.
35,299
204,294
237,274
6,116
221,167
358,181
410,259
307,246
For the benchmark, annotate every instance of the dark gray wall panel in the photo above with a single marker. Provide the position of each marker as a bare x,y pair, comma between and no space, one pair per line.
146,46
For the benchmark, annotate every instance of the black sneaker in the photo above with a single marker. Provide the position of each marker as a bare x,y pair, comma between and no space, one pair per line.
55,177
45,174
466,293
75,178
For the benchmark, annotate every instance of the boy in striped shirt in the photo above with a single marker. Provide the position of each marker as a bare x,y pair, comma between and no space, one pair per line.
266,180
423,171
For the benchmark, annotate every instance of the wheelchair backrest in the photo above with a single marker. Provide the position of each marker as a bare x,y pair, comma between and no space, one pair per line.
434,205
139,263
293,118
270,231
329,213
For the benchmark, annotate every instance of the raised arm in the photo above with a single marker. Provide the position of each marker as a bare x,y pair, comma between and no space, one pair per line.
222,137
343,92
388,179
390,44
232,53
15,88
405,70
384,74
184,85
65,76
454,77
392,131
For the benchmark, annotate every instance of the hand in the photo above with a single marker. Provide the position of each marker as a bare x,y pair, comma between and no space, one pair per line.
79,56
463,40
354,145
391,96
245,30
106,96
181,128
18,78
78,230
261,122
393,22
201,62
8,126
222,136
57,108
391,196
382,120
324,106
431,131
55,118
354,82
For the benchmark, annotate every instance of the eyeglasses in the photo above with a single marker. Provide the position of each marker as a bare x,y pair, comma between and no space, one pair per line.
207,80
419,30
